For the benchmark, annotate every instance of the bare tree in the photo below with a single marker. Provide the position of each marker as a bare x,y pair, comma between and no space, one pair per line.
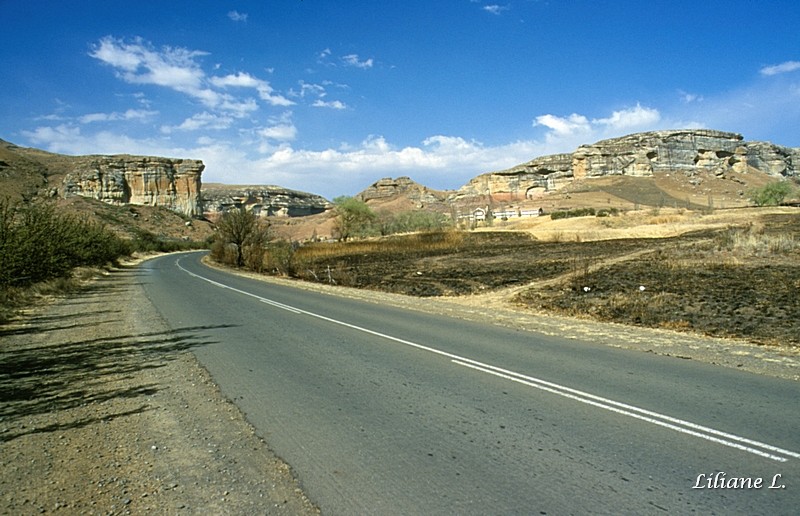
242,228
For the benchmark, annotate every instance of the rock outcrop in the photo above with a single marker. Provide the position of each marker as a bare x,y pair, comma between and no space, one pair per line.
264,200
388,188
150,181
686,152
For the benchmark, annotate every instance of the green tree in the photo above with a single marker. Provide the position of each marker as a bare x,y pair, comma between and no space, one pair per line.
771,194
353,217
243,230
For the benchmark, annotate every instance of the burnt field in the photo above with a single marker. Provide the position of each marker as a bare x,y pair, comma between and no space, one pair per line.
741,281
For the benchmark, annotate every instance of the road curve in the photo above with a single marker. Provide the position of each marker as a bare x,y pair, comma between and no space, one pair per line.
384,410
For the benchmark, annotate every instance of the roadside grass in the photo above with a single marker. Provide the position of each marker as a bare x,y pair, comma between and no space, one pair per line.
15,299
415,243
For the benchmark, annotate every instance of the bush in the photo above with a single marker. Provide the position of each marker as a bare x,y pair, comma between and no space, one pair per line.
279,258
37,244
410,221
771,194
580,212
608,212
353,218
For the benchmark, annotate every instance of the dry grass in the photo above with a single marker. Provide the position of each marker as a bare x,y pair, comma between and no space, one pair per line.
15,299
752,241
661,223
395,245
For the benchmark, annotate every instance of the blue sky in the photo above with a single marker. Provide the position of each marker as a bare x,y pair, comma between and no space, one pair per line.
329,96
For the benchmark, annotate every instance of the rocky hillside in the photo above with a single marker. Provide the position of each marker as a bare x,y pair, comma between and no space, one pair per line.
695,153
264,200
387,190
120,179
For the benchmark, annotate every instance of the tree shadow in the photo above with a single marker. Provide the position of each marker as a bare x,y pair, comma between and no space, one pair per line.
53,376
42,324
60,376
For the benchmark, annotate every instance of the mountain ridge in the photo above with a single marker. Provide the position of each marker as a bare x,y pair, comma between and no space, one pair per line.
695,166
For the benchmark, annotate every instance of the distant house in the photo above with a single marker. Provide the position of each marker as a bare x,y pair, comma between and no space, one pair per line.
482,214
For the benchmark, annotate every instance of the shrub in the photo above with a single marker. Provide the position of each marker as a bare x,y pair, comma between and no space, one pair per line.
353,218
608,212
410,221
771,194
279,258
37,244
567,214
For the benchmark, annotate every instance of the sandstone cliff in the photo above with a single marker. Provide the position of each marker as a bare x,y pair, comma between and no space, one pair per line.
263,200
687,152
387,188
150,181
26,173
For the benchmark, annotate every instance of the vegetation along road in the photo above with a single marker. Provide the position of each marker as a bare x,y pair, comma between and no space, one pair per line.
382,410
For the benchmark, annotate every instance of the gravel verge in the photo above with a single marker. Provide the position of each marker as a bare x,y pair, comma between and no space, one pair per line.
105,410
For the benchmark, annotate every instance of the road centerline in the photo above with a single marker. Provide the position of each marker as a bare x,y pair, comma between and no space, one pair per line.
682,426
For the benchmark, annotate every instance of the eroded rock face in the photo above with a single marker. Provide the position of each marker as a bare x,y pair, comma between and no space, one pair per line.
263,200
641,154
388,188
151,181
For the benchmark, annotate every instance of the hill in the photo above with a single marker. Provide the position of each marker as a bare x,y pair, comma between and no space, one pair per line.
690,169
129,194
695,169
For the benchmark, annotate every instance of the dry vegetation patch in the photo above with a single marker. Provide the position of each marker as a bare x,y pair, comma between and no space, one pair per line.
741,282
723,273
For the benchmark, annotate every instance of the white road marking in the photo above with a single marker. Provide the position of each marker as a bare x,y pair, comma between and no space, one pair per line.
679,425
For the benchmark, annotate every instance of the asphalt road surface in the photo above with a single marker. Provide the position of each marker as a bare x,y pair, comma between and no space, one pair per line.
381,410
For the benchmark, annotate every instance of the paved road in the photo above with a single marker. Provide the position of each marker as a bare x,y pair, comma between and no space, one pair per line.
388,411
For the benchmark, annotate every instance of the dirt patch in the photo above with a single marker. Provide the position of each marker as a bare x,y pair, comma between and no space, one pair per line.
106,411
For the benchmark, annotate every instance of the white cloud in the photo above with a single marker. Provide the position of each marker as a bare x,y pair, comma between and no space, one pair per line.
280,132
139,63
564,126
60,138
237,16
495,9
204,120
630,119
567,133
318,92
332,104
353,60
131,114
245,80
688,98
177,68
786,67
308,89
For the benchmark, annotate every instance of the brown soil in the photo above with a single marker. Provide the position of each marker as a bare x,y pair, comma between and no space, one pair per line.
104,410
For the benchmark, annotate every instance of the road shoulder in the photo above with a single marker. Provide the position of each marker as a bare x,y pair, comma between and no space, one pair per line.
495,308
106,410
